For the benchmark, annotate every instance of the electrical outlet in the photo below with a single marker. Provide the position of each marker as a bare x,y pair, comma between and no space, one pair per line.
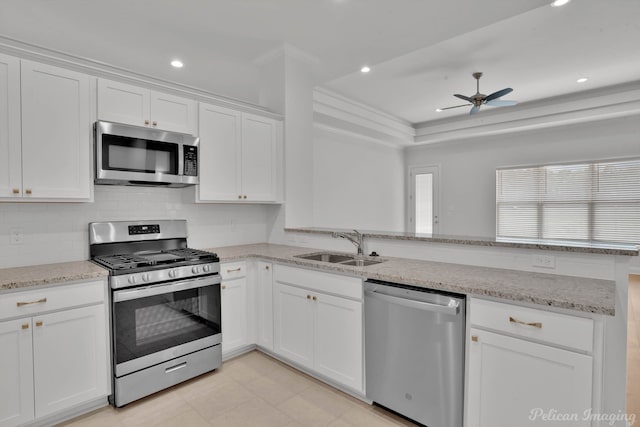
16,236
544,261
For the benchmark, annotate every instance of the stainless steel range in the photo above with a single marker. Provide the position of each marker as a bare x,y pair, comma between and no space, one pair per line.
165,305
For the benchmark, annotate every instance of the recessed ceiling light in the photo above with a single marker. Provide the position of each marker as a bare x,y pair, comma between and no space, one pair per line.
438,110
558,3
365,69
176,63
582,80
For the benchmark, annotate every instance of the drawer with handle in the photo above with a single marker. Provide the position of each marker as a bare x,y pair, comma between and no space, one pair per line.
40,300
233,270
554,328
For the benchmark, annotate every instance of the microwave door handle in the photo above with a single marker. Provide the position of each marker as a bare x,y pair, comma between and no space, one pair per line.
164,288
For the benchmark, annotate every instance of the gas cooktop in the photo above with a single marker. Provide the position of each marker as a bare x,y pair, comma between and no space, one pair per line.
151,260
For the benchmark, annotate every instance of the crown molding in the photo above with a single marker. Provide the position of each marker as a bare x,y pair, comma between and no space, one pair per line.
336,111
598,104
95,68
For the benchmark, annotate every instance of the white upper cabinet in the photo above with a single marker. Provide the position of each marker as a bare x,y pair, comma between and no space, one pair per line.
123,103
10,139
238,156
46,152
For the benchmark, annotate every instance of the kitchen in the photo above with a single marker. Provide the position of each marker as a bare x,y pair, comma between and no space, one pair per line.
316,180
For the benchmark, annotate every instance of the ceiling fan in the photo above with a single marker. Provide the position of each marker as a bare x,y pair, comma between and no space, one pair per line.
480,99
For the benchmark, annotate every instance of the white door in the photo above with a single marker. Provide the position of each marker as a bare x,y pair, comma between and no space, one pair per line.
423,198
10,133
258,158
70,358
293,324
234,314
264,291
173,113
16,372
528,376
56,132
123,103
220,153
338,339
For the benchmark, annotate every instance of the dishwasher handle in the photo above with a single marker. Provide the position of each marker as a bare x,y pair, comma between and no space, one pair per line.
453,308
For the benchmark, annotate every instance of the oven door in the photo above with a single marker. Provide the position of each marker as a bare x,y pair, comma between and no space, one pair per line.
153,324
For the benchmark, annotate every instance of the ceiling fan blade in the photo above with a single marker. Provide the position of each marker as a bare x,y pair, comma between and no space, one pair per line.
475,109
466,98
498,94
455,106
501,103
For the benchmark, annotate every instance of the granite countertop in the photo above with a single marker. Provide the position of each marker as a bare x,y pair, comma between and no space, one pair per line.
551,245
47,274
574,293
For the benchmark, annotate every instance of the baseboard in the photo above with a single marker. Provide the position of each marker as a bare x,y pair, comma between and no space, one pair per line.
237,352
71,413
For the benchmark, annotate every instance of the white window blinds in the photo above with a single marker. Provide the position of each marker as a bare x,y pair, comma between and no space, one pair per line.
588,201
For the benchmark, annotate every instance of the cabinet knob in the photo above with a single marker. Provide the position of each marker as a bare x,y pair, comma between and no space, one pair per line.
223,286
25,326
27,191
308,296
239,196
244,197
315,298
266,267
16,191
146,122
155,123
474,338
39,323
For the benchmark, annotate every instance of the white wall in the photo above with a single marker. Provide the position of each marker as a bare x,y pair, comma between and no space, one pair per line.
357,183
58,232
467,168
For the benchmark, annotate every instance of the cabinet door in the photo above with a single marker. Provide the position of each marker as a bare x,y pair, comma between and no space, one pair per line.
234,314
265,304
259,148
528,376
219,154
293,324
173,113
123,103
16,372
10,135
338,339
56,132
70,358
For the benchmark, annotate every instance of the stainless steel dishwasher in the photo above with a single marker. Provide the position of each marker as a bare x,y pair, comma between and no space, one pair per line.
414,343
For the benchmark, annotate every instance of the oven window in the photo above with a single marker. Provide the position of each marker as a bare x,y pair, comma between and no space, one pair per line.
150,324
139,155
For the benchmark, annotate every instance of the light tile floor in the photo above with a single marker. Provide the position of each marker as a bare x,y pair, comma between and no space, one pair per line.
251,390
633,347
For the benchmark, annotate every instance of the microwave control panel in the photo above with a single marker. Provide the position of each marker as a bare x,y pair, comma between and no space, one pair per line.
190,160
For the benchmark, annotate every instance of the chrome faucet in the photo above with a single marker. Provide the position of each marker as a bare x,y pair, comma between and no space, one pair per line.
358,241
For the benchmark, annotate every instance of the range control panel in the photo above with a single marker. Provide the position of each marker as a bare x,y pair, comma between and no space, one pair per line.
144,229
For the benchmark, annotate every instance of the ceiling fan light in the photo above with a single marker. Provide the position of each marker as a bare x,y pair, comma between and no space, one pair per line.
558,3
582,80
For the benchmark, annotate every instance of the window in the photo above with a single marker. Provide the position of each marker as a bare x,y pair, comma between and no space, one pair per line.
587,201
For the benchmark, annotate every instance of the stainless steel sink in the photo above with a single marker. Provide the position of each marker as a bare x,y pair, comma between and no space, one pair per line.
327,257
339,259
361,262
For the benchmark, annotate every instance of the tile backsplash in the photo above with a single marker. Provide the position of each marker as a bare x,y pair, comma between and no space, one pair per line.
58,232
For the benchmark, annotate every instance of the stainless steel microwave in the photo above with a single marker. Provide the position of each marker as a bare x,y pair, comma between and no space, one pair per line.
132,155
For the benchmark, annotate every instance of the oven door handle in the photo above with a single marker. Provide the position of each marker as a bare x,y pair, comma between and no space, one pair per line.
164,288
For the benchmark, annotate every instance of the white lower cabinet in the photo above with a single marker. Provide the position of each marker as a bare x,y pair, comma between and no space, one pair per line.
55,355
515,381
234,306
264,300
318,323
